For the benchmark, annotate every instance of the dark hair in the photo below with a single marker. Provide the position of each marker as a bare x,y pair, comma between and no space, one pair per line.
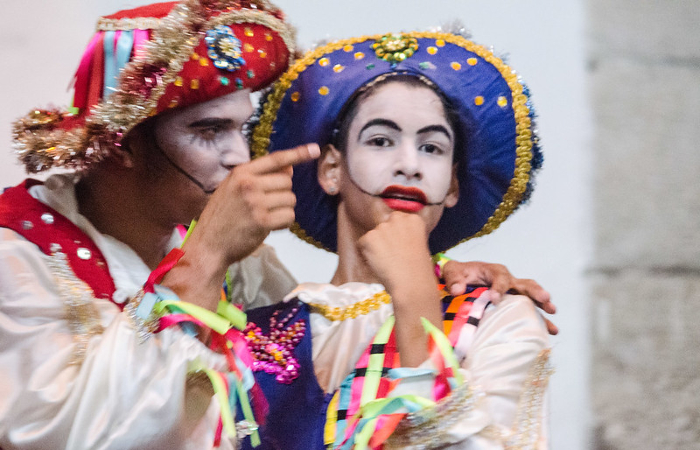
349,110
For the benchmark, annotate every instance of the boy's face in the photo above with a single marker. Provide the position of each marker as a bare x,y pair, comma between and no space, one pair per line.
399,156
206,140
195,148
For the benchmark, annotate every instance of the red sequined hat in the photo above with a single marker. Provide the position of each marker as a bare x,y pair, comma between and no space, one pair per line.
150,59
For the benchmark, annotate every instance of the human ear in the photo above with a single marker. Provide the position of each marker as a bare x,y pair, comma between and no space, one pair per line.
122,155
328,173
133,143
452,196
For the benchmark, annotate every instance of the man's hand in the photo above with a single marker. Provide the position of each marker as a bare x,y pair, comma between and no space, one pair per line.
253,200
458,275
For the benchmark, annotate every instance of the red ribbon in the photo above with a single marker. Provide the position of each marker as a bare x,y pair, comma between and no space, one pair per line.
94,81
165,265
82,74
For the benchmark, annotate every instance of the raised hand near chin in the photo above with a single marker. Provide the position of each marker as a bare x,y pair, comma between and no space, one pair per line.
397,253
396,250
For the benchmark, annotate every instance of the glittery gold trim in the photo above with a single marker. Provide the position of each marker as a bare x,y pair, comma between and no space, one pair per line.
138,23
361,308
146,328
301,234
526,431
173,41
427,428
40,146
523,128
78,300
528,421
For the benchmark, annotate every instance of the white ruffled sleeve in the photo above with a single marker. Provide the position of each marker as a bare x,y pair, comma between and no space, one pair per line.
74,373
502,403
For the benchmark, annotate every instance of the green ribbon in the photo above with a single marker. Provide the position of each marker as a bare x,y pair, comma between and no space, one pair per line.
211,319
443,344
234,315
375,364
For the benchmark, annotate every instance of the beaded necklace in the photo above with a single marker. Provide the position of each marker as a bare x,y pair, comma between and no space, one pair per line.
337,313
273,352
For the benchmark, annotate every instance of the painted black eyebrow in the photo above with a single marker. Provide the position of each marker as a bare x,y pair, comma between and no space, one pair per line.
211,122
381,122
391,124
437,129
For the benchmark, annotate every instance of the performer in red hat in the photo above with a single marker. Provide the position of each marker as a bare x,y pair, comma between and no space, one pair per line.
91,357
101,333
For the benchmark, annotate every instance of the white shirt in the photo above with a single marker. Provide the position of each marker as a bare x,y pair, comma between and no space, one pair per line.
505,369
122,393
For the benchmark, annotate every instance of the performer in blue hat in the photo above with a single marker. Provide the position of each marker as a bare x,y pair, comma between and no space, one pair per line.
428,140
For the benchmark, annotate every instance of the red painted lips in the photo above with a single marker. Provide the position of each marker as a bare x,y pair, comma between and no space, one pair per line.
403,198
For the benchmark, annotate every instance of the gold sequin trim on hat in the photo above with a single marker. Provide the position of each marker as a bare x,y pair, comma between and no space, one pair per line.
361,308
138,23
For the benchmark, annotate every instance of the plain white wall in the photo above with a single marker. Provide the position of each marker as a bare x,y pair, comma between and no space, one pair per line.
549,240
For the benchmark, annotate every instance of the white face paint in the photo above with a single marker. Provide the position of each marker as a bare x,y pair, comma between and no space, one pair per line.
205,141
400,146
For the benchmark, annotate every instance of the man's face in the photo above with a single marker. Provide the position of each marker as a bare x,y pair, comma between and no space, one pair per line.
206,140
399,151
195,148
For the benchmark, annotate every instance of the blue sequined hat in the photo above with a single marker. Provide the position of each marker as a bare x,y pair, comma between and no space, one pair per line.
501,150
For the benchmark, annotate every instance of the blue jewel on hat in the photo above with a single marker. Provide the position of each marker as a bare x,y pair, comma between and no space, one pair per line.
224,48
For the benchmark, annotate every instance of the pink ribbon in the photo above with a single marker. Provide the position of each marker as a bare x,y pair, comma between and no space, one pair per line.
82,75
174,319
140,38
